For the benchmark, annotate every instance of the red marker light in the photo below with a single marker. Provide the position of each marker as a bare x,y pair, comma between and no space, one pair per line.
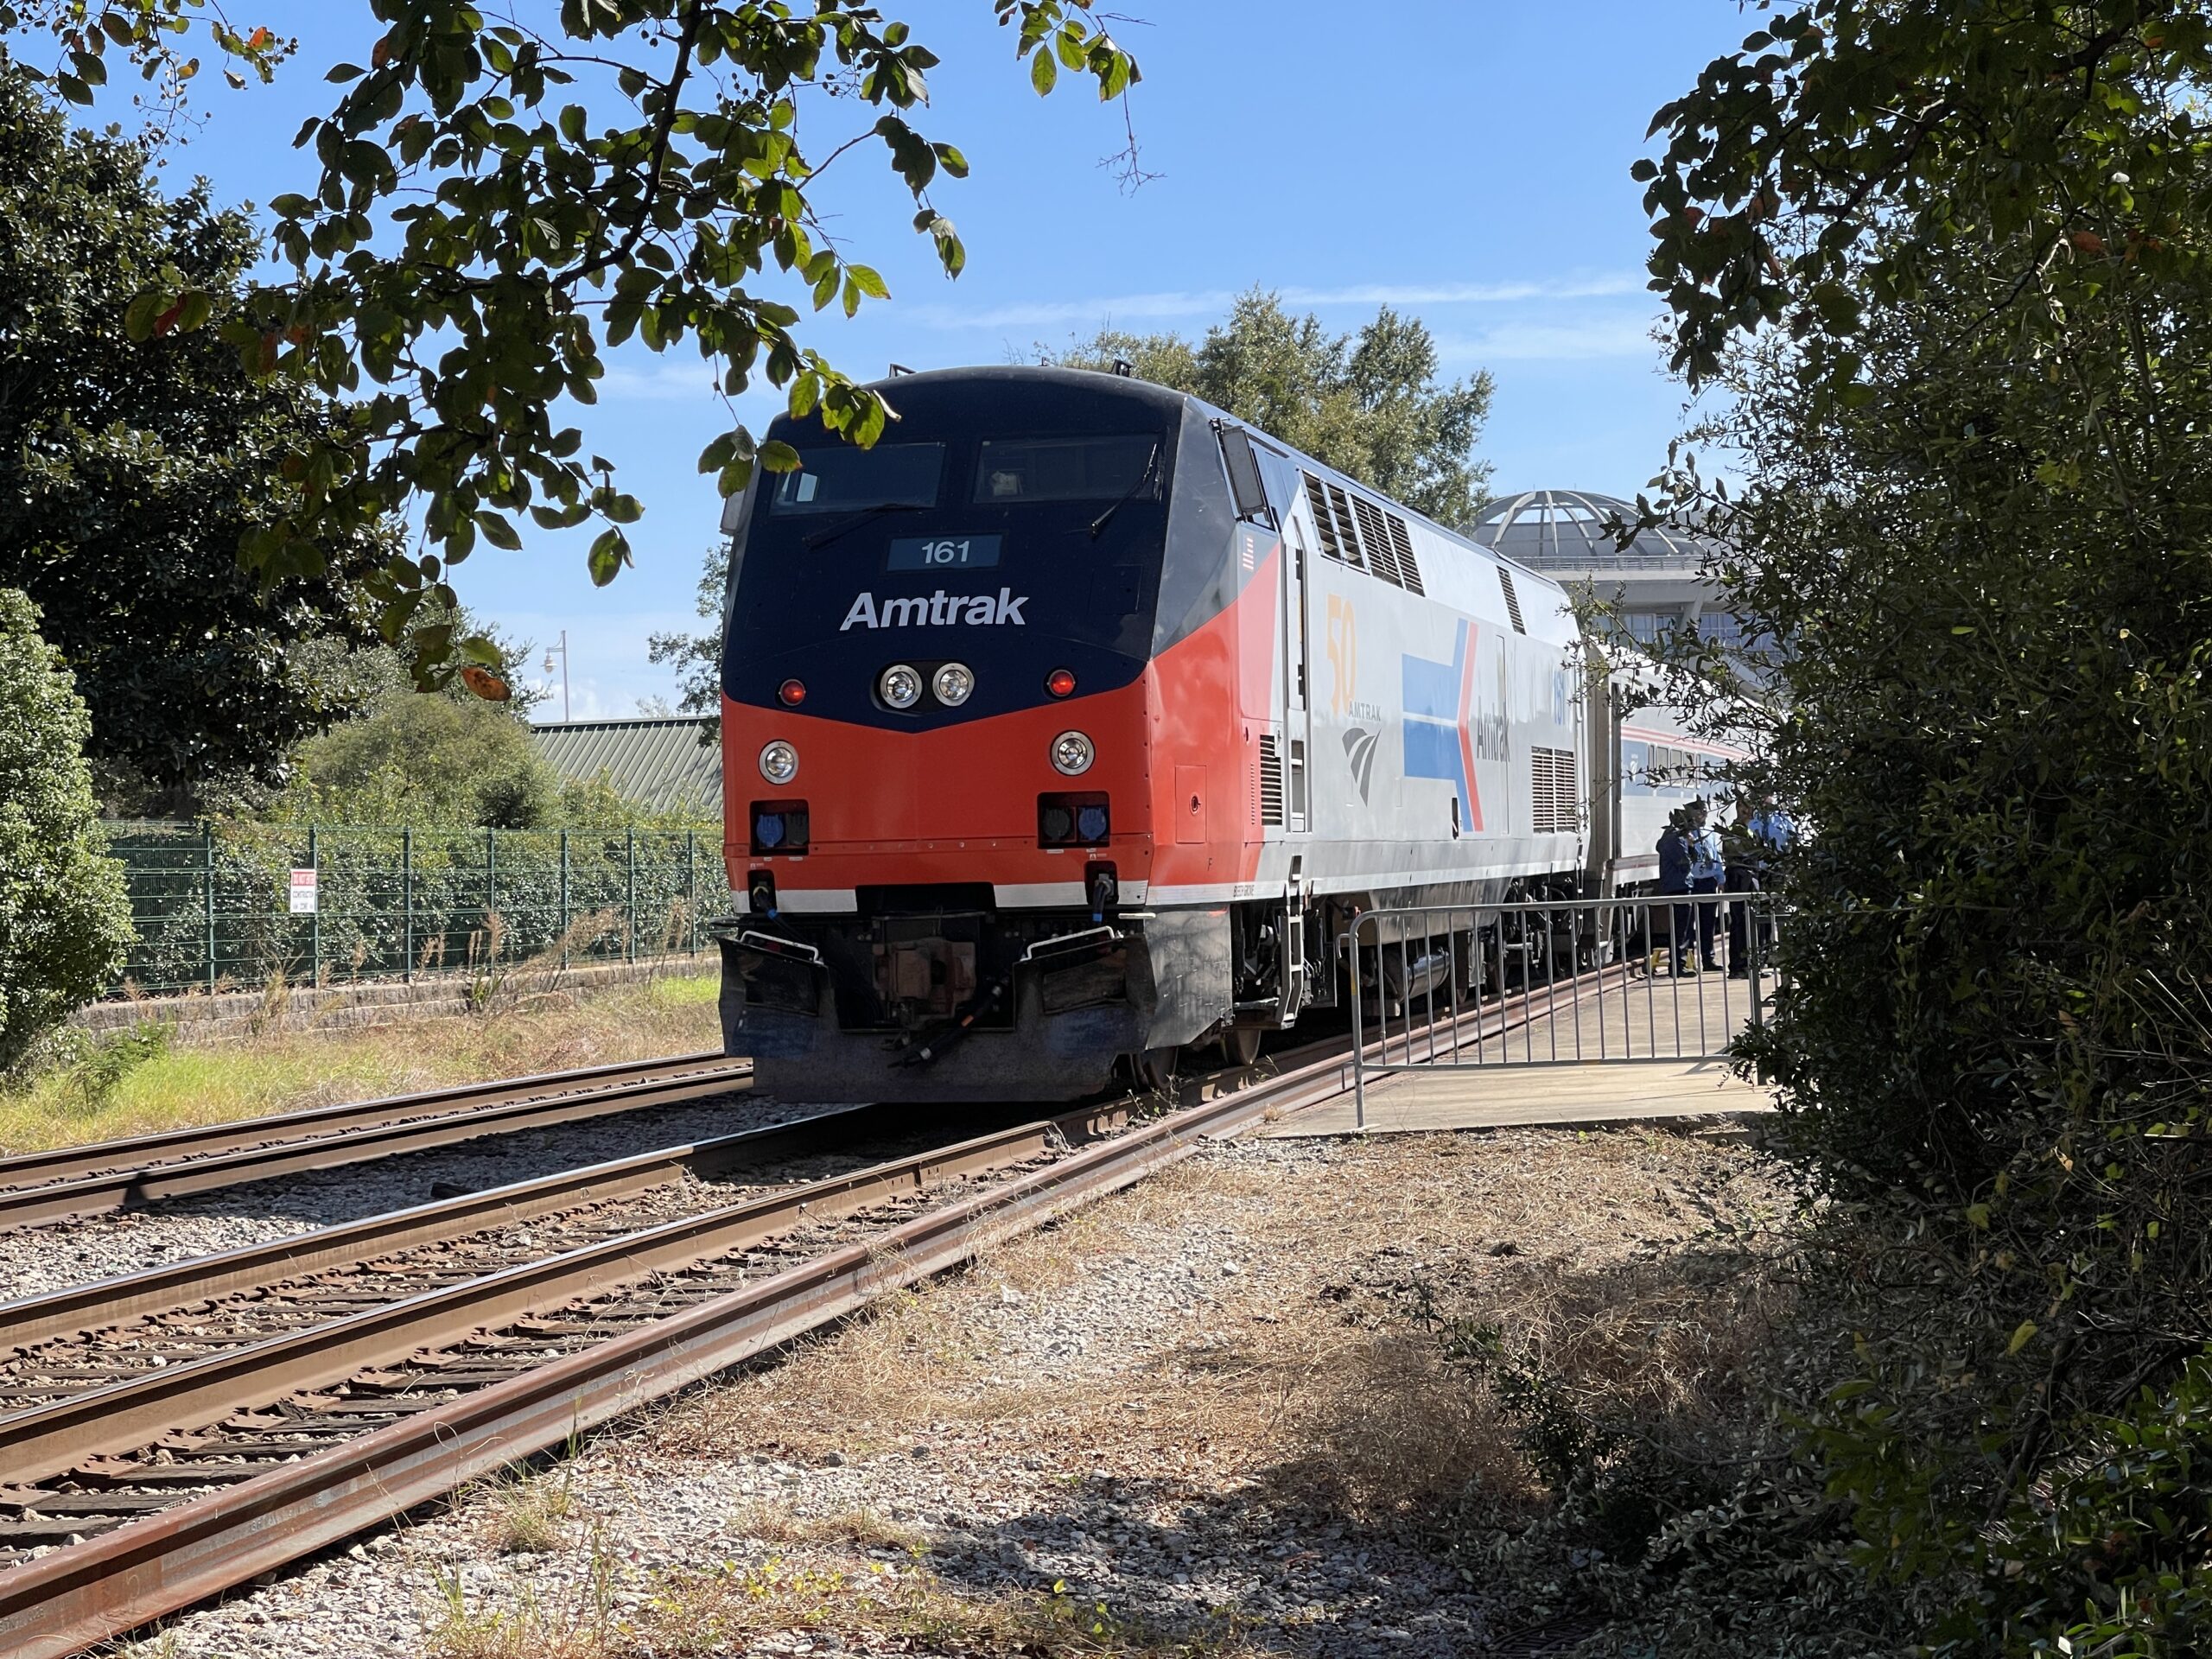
1060,682
790,694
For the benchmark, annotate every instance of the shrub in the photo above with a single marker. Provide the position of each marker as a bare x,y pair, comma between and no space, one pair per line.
64,922
429,760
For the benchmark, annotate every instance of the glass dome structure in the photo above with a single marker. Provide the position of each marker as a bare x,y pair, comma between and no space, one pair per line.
1556,530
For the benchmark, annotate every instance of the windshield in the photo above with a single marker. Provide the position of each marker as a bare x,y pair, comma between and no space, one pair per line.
839,478
1064,469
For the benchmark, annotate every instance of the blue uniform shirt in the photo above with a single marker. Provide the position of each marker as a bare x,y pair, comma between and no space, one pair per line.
1705,862
1774,827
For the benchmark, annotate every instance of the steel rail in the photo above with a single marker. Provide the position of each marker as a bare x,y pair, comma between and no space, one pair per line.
120,1174
99,1304
43,1441
88,1591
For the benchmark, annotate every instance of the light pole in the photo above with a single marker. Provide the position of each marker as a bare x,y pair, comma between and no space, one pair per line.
563,648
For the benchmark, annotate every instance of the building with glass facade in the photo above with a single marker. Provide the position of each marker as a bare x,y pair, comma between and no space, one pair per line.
1657,583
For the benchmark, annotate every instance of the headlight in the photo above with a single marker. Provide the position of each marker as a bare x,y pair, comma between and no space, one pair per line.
779,762
900,686
953,683
1072,753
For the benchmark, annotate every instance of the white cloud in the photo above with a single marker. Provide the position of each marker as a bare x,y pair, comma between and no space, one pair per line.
1579,338
1134,308
688,382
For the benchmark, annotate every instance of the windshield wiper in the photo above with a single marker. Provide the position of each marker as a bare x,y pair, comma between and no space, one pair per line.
823,538
1107,517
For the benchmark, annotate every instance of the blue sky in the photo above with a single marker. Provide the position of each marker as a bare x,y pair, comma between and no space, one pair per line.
1468,164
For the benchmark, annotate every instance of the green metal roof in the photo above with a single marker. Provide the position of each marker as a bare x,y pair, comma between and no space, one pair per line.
657,760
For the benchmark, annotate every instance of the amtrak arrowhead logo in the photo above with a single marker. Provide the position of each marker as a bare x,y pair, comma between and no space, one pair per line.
1359,750
937,610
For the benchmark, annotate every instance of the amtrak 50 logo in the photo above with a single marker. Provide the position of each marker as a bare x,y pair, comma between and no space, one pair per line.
937,610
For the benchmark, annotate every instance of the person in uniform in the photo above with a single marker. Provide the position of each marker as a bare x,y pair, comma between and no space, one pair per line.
1745,856
1675,877
1708,867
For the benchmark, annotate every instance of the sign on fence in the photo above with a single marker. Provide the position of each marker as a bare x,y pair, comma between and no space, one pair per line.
303,889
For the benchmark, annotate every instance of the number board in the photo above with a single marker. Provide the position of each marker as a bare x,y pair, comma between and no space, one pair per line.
943,553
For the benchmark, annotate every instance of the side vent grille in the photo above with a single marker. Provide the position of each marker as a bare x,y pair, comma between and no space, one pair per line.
1512,599
1356,532
1271,779
1324,522
1375,535
1555,811
1347,533
1403,545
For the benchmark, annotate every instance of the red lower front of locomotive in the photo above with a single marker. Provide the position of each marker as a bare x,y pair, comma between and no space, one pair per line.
942,914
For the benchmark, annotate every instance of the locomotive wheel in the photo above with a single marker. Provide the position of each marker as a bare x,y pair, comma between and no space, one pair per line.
1239,1045
1156,1068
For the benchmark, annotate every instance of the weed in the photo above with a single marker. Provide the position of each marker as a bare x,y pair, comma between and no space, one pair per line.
93,1068
526,1515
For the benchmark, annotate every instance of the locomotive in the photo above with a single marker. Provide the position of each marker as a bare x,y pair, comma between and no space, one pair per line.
1070,724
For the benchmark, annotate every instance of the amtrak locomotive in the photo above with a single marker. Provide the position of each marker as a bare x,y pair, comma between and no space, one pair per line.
1070,723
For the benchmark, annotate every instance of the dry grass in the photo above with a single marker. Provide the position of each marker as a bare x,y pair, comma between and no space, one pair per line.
575,1618
781,1525
285,1071
525,1516
728,1608
1321,1378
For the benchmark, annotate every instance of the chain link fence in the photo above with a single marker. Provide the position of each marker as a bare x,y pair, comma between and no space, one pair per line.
218,907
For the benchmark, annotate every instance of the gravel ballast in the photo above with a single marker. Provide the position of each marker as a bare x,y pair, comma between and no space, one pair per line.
1189,1415
35,1259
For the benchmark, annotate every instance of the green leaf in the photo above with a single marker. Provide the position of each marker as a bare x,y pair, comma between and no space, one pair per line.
778,457
717,455
498,531
2021,1338
1043,72
138,316
865,279
609,553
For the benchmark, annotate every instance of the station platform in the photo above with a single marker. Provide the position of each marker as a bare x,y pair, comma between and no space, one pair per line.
1639,1047
1566,1096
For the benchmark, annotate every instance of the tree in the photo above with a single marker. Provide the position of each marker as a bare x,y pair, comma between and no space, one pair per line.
128,474
1368,405
697,657
64,920
1954,264
500,203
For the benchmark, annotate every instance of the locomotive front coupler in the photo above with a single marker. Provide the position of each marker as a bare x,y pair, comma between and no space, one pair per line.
949,1035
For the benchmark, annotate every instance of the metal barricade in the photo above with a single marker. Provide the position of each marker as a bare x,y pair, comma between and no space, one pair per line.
1563,981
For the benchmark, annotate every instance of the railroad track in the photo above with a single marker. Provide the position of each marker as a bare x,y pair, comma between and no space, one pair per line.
47,1187
166,1436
